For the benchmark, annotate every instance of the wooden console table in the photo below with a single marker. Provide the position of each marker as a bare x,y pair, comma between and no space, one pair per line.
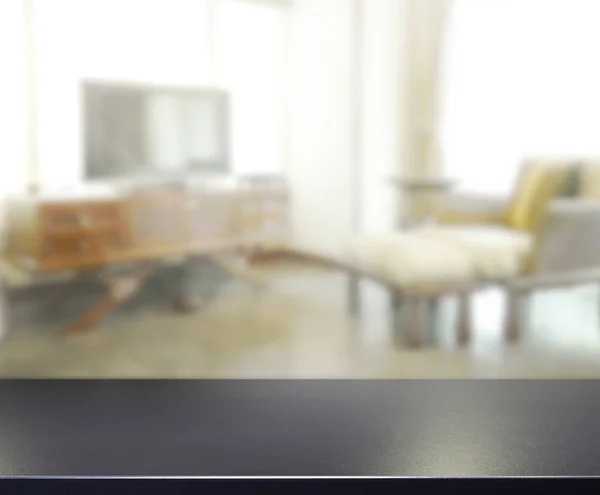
121,241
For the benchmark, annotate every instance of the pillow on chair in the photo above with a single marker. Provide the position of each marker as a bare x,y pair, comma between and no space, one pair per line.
538,184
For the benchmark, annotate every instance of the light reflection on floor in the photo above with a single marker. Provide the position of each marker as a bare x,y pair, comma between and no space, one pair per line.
300,328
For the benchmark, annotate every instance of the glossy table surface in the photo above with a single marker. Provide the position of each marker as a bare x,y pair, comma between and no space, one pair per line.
277,427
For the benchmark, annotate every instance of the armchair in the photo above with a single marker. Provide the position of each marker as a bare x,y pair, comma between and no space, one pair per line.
568,238
555,226
562,234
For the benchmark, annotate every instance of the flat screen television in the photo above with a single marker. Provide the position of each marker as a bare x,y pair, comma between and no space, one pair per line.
145,131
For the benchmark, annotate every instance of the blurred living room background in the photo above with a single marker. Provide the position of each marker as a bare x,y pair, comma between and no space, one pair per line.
300,188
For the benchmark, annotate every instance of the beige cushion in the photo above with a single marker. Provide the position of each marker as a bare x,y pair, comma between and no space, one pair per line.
369,252
539,182
412,260
497,252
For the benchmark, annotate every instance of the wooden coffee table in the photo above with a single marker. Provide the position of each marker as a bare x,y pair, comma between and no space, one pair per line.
121,242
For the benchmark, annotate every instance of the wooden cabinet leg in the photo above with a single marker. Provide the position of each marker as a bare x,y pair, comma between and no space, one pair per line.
465,319
92,316
119,290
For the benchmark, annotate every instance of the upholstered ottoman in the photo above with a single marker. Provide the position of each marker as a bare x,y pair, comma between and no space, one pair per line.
416,270
422,265
498,253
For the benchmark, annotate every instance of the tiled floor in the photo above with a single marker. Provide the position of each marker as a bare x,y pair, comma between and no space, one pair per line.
300,328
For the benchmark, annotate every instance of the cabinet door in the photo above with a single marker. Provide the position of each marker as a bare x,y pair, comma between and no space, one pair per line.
264,216
158,220
211,217
81,233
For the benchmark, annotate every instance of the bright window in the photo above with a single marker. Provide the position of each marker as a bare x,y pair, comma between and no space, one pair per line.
521,79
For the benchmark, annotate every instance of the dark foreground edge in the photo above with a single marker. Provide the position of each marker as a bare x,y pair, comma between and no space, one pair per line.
320,486
299,428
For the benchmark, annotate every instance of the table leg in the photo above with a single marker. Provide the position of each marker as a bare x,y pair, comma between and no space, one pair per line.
465,322
413,321
354,294
516,306
598,304
92,316
396,316
433,309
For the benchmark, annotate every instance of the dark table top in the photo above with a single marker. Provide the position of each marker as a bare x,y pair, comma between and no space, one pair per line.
272,427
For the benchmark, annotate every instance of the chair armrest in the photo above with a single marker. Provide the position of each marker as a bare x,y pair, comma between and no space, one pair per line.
570,236
464,208
555,281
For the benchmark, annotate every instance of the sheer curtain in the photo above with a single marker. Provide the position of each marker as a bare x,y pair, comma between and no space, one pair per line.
13,104
520,79
249,54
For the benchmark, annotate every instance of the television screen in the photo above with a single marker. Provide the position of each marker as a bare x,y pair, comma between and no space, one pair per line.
145,131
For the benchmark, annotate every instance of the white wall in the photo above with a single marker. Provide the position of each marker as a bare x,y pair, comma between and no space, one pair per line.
13,125
321,161
382,126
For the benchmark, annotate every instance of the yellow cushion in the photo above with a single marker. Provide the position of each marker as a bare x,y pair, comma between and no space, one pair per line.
539,183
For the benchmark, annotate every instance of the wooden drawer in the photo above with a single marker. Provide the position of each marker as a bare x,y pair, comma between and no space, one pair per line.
87,215
73,231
